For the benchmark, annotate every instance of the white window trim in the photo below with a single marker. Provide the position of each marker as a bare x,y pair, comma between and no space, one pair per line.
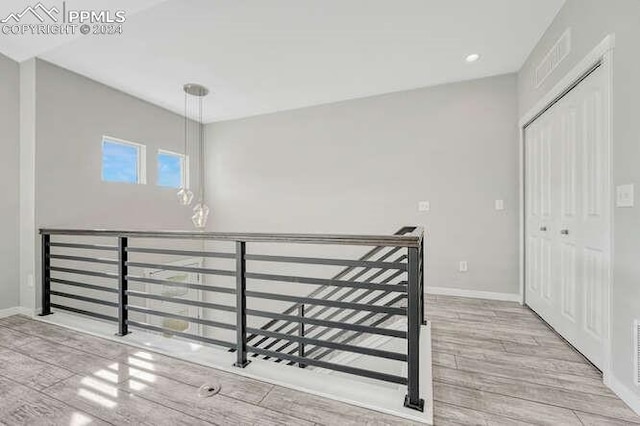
142,156
184,163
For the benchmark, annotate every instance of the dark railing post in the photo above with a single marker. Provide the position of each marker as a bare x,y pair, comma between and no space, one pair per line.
421,275
414,320
241,304
123,284
46,276
301,351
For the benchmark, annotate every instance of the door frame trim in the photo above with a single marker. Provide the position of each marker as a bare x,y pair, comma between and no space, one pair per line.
601,53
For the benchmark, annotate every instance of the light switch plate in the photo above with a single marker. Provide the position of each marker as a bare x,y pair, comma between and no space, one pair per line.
624,195
424,206
463,267
499,204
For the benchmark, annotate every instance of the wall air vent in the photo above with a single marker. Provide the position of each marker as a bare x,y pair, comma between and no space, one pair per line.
553,58
636,331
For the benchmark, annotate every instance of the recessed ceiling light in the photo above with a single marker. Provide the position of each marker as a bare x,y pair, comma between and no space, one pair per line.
473,57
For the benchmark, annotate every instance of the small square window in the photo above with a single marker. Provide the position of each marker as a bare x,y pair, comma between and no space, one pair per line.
123,161
171,169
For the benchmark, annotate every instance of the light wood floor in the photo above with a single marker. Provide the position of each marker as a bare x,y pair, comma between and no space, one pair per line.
496,363
53,376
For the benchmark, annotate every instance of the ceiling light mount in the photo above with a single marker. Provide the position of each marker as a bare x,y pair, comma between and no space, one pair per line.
194,89
472,57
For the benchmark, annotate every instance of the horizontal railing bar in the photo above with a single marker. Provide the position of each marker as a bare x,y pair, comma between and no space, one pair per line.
332,345
407,240
83,298
329,324
336,290
321,261
331,366
145,295
208,323
84,246
362,320
329,317
83,285
358,298
83,312
377,322
400,288
181,252
181,269
347,316
341,274
81,272
84,259
181,334
381,271
332,303
418,233
170,283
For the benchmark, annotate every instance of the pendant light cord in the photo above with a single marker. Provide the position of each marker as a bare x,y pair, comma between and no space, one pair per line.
185,184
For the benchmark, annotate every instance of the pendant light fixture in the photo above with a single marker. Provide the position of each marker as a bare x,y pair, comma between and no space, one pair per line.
194,149
185,195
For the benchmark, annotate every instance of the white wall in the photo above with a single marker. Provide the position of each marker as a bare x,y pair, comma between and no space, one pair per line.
361,166
72,114
9,176
591,21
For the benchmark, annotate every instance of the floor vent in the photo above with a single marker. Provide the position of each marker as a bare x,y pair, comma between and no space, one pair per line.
636,330
553,58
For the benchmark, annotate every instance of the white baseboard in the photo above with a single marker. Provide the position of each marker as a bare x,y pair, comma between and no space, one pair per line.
474,294
631,398
18,310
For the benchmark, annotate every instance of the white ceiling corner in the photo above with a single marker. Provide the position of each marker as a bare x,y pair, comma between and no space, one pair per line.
261,56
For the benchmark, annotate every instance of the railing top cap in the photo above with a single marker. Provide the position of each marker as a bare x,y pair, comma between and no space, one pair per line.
411,239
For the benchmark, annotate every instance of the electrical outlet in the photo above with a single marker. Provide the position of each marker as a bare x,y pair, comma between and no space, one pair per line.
463,266
424,206
499,204
624,195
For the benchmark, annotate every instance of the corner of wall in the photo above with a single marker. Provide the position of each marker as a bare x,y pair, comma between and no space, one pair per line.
27,183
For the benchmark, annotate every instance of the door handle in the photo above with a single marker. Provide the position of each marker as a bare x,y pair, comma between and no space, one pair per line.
543,228
564,232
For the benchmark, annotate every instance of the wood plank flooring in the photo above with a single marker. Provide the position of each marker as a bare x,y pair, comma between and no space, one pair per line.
50,375
496,363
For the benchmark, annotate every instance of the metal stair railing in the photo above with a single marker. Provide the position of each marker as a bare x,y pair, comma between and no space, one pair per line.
372,319
360,300
342,297
350,315
367,256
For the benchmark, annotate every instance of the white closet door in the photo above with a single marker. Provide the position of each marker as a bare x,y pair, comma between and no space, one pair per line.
541,213
568,216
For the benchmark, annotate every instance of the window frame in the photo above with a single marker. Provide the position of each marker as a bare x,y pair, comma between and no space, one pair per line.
184,168
141,164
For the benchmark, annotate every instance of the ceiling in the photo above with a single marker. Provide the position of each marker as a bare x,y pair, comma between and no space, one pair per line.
260,56
23,47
